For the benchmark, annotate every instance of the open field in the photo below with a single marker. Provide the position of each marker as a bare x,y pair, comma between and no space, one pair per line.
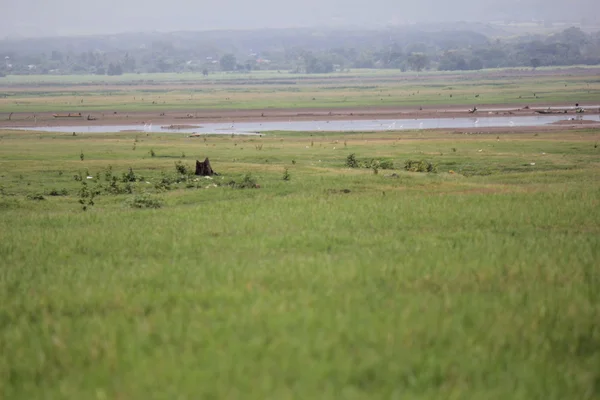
479,281
191,93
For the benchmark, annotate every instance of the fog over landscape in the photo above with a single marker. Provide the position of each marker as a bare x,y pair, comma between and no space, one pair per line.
30,18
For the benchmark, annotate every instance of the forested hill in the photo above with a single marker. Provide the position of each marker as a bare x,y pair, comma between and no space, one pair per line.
453,47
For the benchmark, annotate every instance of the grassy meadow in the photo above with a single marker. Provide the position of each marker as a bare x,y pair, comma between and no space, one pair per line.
269,90
480,280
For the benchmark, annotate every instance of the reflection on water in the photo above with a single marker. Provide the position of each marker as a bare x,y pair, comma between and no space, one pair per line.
250,128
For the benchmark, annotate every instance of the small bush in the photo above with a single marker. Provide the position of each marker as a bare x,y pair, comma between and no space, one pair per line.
420,166
286,175
36,197
115,189
57,192
181,168
152,153
130,176
86,196
145,201
351,161
386,164
108,174
247,182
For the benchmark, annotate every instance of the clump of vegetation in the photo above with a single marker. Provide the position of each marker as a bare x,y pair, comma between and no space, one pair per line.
108,174
181,168
86,196
58,192
152,153
145,200
420,166
373,163
81,156
114,188
247,182
351,161
130,176
37,197
286,175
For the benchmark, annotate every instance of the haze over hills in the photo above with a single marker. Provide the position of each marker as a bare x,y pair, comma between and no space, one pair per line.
34,18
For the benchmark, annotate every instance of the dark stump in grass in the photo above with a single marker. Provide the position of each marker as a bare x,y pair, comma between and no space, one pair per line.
204,168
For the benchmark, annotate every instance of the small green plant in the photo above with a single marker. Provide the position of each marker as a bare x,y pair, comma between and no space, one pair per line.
286,175
108,174
375,167
130,176
81,156
152,153
351,161
86,196
247,182
145,200
78,177
181,168
454,149
58,192
37,197
420,166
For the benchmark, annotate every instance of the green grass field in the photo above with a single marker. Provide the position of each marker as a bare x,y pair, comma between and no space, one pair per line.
269,90
480,281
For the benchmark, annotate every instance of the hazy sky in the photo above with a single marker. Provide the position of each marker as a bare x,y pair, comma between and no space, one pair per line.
68,17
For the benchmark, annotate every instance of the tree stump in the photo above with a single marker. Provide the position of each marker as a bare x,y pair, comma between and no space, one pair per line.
204,168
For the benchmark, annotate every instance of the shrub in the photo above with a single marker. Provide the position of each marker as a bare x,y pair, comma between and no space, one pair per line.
36,196
386,164
145,201
286,175
351,161
108,174
56,192
131,176
420,166
247,182
181,168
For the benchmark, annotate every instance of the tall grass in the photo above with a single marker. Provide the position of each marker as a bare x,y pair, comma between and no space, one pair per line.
337,283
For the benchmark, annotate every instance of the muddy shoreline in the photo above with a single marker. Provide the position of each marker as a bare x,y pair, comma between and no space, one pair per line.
198,117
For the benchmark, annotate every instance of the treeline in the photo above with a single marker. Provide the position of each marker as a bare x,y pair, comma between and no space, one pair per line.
299,51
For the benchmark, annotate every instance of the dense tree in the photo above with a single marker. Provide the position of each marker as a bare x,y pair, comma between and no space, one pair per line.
114,69
301,51
228,62
418,61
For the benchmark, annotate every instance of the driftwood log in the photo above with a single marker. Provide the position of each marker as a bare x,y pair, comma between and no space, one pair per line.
204,168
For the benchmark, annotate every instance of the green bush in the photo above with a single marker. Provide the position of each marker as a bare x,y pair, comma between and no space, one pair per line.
420,166
57,192
351,161
36,196
131,176
247,182
181,168
145,201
